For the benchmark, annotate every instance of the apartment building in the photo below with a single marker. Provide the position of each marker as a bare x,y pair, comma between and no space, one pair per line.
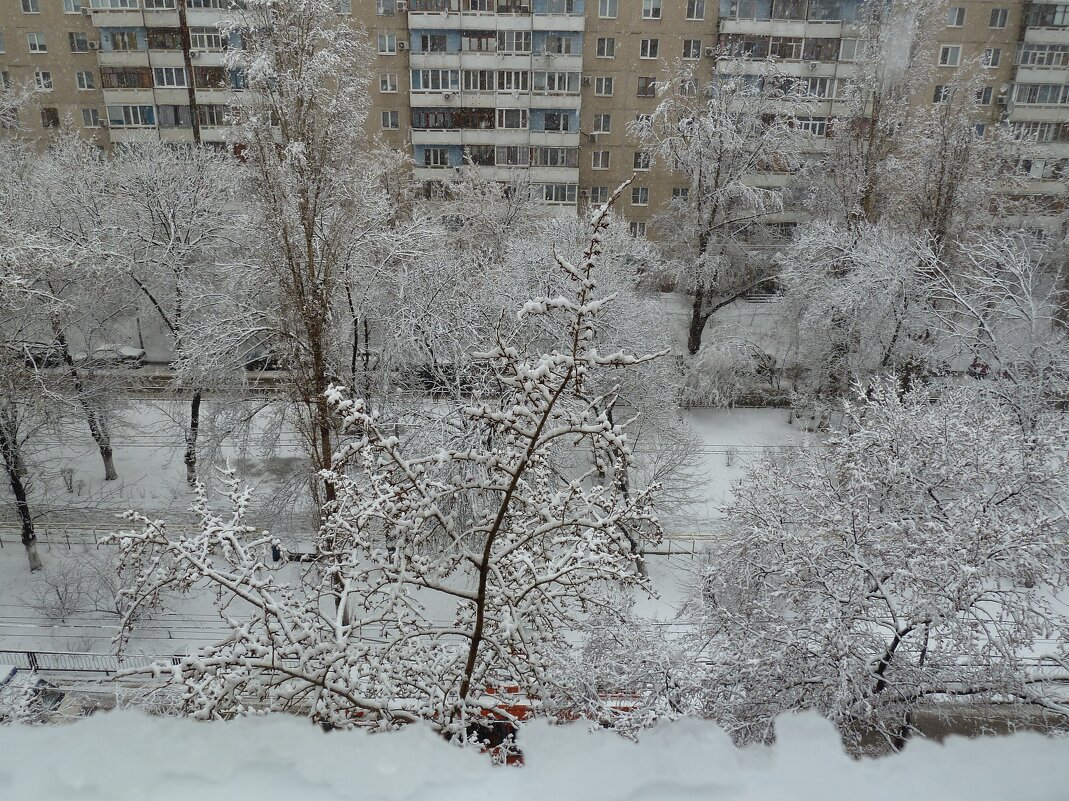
536,91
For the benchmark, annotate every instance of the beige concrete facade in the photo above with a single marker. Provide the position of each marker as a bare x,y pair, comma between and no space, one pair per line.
534,90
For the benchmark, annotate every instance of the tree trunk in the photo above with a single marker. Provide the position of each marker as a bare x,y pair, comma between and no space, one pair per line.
12,461
191,439
697,319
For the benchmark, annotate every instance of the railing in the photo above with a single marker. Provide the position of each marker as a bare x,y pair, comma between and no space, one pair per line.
77,662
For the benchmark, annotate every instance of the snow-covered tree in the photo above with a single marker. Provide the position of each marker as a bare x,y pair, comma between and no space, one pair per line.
914,556
720,138
446,582
177,214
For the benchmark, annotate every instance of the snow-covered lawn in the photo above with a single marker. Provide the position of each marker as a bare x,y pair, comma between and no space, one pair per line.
152,479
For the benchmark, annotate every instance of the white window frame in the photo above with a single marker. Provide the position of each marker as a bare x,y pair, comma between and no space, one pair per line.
598,124
999,18
168,77
945,52
603,86
36,42
31,6
435,157
649,48
605,47
608,9
956,17
599,160
84,80
388,82
642,161
640,196
390,120
43,80
651,9
72,7
387,44
637,228
692,49
522,114
599,194
992,57
695,10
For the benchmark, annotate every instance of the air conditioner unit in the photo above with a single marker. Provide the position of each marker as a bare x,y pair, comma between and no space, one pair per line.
102,124
586,80
401,46
194,54
87,11
813,66
710,52
584,193
592,136
402,6
94,45
447,95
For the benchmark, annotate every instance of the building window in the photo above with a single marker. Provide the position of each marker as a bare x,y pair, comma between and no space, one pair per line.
435,80
124,40
647,48
851,49
170,77
84,79
642,160
205,39
3,49
387,44
344,7
606,47
557,121
5,79
516,81
558,45
390,120
554,157
478,80
481,155
478,41
695,9
50,118
560,7
651,9
599,194
647,87
131,116
36,42
992,56
435,157
514,41
554,82
692,48
637,228
388,82
559,193
31,7
955,17
603,86
680,194
999,17
941,94
433,43
949,55
90,118
983,96
817,126
43,79
980,129
599,160
512,118
78,42
72,6
513,156
607,9
602,123
385,7
640,196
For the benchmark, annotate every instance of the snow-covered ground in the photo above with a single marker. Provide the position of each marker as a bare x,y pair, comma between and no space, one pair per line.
152,479
123,756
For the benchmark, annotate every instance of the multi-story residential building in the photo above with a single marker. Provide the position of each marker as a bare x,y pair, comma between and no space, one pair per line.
535,91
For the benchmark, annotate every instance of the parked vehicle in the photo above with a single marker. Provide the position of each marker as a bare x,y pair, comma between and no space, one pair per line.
113,355
26,696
